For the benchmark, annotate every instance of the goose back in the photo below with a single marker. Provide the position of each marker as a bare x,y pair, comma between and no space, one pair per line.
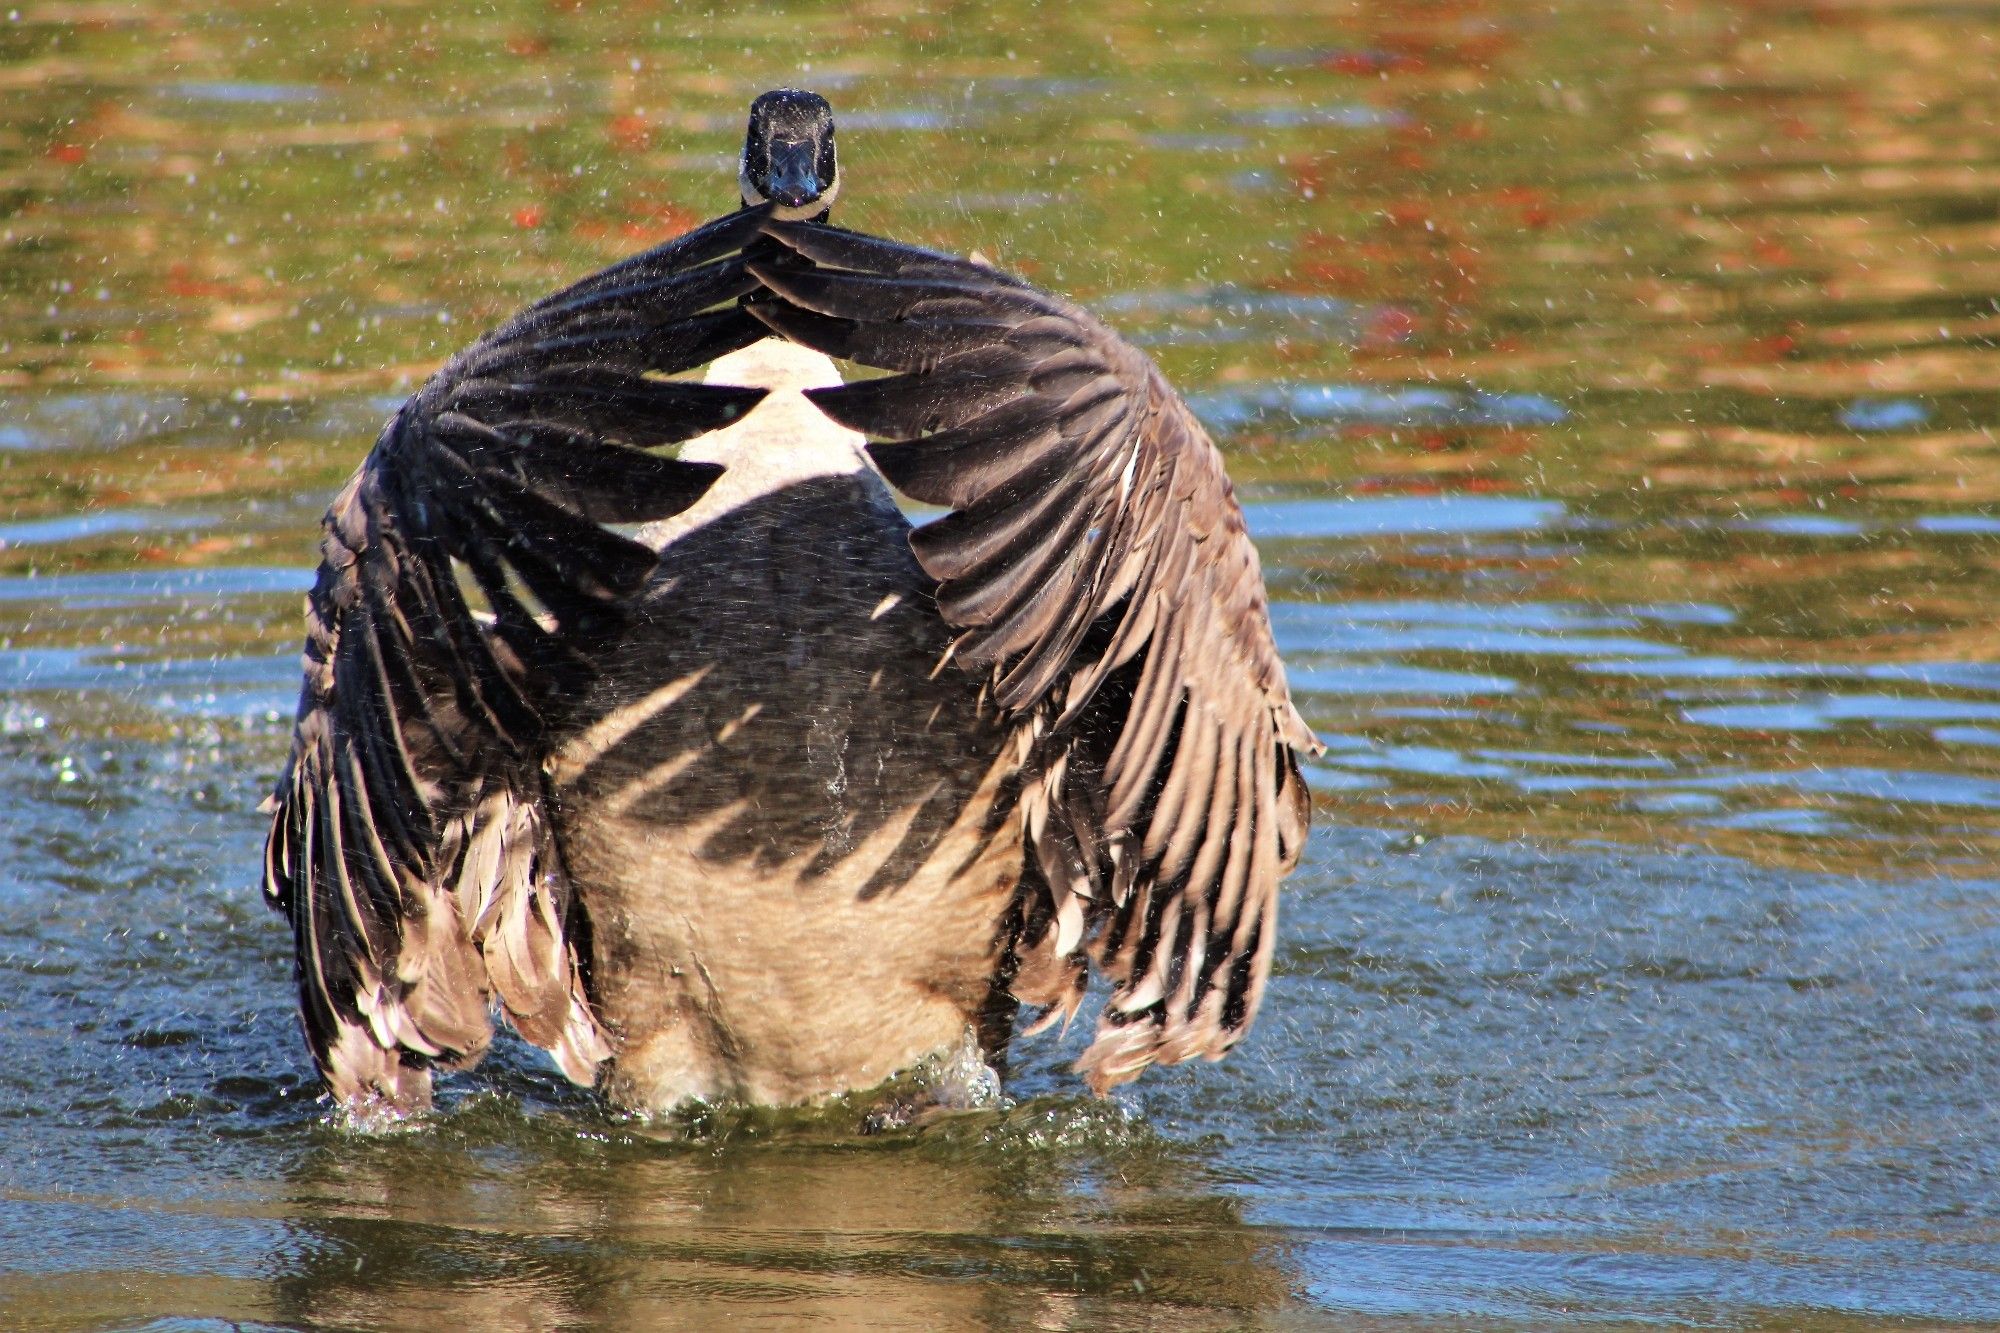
799,840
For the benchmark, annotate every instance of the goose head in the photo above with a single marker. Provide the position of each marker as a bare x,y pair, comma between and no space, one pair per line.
788,155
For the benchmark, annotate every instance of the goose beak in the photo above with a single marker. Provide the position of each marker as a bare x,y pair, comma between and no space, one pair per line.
794,177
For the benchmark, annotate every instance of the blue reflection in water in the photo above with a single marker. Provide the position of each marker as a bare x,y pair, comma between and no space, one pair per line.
1820,712
1349,115
1396,515
1884,414
137,587
242,93
101,523
1232,409
1371,678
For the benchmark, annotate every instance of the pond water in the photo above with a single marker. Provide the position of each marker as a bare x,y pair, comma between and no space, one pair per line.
1613,391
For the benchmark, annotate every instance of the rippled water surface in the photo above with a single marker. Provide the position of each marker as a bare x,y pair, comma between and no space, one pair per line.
1613,392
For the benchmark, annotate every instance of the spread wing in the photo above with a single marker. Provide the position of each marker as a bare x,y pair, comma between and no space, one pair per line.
410,843
1097,564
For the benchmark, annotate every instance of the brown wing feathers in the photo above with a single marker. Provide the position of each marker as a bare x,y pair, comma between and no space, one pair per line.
1097,565
410,845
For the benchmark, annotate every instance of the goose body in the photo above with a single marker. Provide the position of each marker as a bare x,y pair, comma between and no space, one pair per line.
769,772
713,776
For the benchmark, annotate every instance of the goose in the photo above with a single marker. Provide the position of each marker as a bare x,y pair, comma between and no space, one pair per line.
709,774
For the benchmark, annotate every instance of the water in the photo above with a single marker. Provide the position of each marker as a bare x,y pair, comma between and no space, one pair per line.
1612,391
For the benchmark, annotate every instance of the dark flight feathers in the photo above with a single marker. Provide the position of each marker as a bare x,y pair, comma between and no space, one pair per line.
410,843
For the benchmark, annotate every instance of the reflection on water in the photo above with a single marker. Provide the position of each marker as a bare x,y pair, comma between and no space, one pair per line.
1612,389
937,1235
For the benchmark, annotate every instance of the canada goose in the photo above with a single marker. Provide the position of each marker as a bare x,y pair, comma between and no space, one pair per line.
776,797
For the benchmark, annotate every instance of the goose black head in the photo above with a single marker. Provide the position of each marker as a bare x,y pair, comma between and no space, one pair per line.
788,155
